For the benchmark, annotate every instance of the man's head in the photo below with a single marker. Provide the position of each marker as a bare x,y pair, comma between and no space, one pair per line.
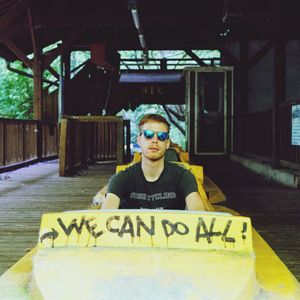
153,136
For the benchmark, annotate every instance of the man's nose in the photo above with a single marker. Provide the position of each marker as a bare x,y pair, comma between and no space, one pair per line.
155,139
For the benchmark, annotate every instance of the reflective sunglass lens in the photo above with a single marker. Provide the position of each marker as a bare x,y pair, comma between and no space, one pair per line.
149,134
162,136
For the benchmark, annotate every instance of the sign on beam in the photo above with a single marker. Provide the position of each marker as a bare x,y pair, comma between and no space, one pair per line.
296,125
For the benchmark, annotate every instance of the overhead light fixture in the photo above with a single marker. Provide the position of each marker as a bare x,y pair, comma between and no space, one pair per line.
145,57
136,19
142,41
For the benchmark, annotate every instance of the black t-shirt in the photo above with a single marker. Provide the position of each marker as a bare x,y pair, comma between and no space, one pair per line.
167,192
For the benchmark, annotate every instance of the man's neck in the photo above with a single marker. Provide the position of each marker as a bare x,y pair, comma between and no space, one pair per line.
152,168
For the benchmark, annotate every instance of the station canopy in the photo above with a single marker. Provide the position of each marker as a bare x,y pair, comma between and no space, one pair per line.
141,24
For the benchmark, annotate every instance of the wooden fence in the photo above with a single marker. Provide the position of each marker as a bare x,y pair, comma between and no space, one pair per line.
26,141
85,139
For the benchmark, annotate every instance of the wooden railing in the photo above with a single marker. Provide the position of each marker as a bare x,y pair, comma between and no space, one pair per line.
85,139
26,141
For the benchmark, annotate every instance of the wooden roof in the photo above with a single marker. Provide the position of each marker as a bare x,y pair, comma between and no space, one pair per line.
167,24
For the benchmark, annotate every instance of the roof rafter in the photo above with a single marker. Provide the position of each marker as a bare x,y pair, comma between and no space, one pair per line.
14,14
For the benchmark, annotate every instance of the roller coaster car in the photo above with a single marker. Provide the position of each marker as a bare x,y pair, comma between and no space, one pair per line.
150,254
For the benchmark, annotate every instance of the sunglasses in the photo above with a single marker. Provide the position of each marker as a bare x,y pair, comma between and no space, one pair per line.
149,134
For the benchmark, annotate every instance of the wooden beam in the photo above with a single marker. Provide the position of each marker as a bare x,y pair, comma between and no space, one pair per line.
119,142
195,57
230,56
32,34
279,89
242,100
37,90
14,14
52,55
53,72
260,54
63,147
18,52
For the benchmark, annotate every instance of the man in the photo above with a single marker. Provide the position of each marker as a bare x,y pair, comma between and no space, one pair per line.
153,183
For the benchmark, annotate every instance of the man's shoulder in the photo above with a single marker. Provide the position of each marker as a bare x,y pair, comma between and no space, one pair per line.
176,167
128,170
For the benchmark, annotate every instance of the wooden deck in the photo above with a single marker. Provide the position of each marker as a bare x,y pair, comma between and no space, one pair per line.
27,193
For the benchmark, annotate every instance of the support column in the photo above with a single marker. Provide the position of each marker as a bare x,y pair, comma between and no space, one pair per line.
242,101
37,88
279,95
65,80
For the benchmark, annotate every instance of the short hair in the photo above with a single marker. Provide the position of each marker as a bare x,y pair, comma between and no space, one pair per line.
153,117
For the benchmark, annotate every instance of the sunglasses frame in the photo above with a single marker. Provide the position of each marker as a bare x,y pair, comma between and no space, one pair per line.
152,133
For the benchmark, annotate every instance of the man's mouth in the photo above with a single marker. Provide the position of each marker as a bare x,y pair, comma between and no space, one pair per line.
153,148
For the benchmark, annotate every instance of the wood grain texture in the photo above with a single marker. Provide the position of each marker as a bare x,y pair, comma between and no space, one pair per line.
26,194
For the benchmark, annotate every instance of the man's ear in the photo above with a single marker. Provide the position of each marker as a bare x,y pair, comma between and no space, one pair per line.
138,140
168,144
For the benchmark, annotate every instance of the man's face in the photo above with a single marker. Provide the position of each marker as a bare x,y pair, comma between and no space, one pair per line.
153,148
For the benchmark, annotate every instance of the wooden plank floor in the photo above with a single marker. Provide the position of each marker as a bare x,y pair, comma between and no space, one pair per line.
27,193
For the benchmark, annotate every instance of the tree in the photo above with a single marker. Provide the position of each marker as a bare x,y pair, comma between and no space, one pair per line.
16,93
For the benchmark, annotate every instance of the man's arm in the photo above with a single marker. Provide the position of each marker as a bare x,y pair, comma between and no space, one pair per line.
111,201
100,196
194,202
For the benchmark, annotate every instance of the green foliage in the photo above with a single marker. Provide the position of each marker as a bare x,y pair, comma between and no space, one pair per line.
16,93
134,117
157,55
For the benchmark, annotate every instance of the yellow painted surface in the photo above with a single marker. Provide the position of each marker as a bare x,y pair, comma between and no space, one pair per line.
143,273
146,228
149,255
271,272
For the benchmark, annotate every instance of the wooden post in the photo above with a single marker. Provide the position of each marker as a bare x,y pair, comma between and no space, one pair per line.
65,98
127,129
279,95
63,147
119,142
242,101
2,144
191,112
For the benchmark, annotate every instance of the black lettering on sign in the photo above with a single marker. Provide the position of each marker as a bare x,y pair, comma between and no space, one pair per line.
207,234
140,223
50,235
185,230
91,229
127,223
170,228
224,234
73,225
244,230
108,224
166,224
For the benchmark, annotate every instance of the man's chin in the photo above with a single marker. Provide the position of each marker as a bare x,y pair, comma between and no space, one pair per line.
153,156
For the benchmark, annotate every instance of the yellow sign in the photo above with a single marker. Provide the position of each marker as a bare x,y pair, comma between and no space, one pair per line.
146,228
